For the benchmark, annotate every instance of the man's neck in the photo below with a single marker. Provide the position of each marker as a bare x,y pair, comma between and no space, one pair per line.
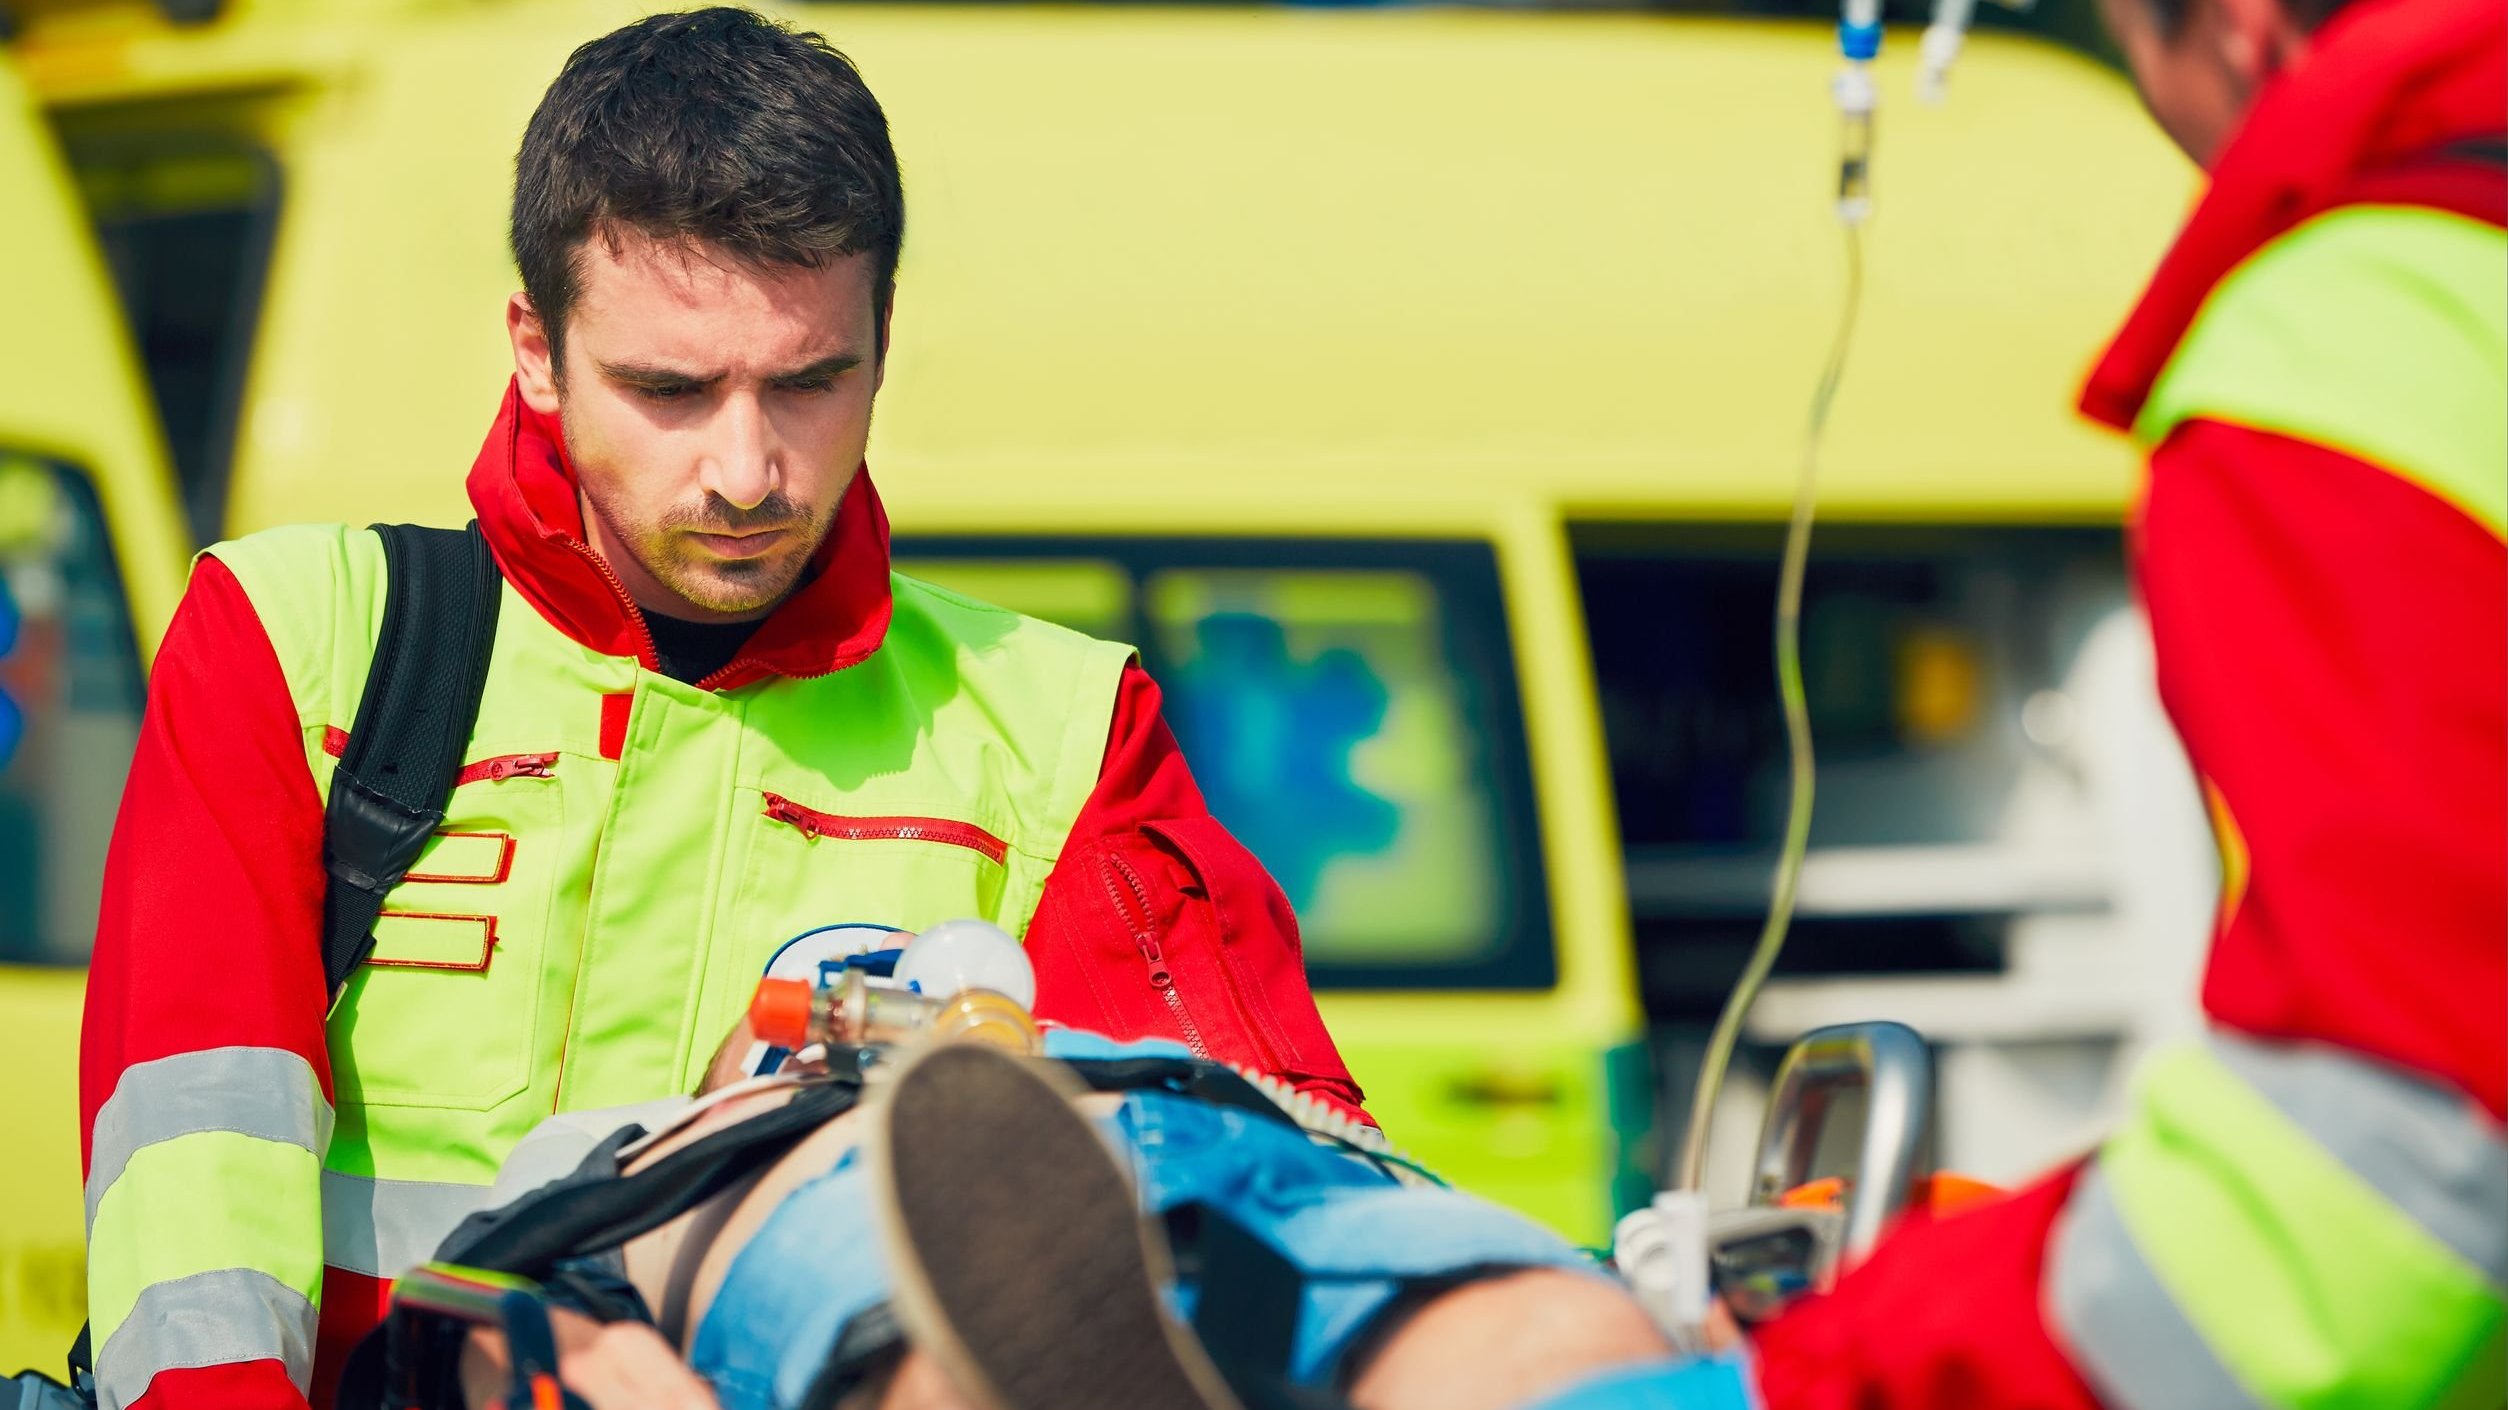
689,651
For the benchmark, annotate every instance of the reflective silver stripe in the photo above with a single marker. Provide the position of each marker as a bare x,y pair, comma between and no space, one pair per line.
384,1228
2127,1336
2426,1150
208,1319
269,1093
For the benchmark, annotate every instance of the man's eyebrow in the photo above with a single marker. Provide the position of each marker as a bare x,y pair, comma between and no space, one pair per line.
832,365
640,375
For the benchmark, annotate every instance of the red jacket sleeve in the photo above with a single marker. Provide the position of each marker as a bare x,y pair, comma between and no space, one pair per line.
207,937
1945,1313
1157,923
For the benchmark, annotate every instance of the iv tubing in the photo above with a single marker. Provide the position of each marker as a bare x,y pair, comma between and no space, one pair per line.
1789,662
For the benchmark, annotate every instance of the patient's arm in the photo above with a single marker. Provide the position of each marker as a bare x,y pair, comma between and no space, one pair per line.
621,1366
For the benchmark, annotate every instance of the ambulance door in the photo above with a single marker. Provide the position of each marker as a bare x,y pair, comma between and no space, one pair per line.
91,562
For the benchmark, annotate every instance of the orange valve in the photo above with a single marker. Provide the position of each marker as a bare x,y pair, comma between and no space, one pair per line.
853,1011
779,1013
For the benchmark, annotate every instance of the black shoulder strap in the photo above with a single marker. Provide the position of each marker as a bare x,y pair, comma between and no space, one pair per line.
569,1216
405,749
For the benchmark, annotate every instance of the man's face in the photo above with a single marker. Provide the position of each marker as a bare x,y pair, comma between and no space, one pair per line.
2198,78
715,414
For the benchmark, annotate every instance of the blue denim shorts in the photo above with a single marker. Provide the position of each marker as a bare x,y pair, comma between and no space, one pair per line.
1358,1236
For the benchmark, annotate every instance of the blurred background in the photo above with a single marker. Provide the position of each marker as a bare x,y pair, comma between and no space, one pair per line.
1419,388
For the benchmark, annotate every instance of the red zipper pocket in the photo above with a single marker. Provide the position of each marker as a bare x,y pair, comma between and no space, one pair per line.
1252,962
813,823
505,766
1131,901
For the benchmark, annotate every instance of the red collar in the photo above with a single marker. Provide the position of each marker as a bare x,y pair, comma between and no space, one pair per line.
2385,82
523,488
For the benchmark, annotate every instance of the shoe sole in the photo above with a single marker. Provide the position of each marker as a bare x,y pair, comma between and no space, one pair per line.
1019,1256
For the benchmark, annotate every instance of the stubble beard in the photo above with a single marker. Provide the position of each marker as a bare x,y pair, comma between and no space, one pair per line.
719,587
713,586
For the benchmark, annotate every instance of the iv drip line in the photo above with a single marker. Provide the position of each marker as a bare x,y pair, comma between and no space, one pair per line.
1789,659
1854,92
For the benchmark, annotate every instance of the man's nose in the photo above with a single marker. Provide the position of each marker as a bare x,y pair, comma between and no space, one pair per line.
741,469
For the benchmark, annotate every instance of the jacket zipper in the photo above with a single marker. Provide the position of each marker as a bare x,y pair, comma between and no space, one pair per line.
646,652
738,664
813,823
505,766
1145,939
651,655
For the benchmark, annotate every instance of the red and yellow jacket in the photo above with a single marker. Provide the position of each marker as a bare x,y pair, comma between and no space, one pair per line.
2330,614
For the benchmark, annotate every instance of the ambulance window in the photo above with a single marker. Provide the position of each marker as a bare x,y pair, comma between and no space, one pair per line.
186,231
1350,713
1942,664
70,698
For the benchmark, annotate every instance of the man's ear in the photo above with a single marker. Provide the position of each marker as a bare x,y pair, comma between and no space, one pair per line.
888,324
2258,39
535,363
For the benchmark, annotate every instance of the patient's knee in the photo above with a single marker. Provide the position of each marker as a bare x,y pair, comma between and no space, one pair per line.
1501,1342
913,1381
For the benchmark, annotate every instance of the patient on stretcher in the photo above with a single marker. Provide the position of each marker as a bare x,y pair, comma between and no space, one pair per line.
1118,1227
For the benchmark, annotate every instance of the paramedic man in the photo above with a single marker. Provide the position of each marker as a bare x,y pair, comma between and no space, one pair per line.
714,720
2306,1209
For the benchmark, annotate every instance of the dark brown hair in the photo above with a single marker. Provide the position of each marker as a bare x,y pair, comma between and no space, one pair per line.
2311,14
715,125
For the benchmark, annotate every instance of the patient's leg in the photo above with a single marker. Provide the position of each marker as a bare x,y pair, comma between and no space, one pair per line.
1496,1344
1505,1341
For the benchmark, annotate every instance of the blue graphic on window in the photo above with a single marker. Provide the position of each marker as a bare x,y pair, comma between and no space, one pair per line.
12,716
1270,739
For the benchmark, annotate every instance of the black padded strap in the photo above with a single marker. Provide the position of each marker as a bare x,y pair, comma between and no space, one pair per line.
869,1345
405,748
566,1218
